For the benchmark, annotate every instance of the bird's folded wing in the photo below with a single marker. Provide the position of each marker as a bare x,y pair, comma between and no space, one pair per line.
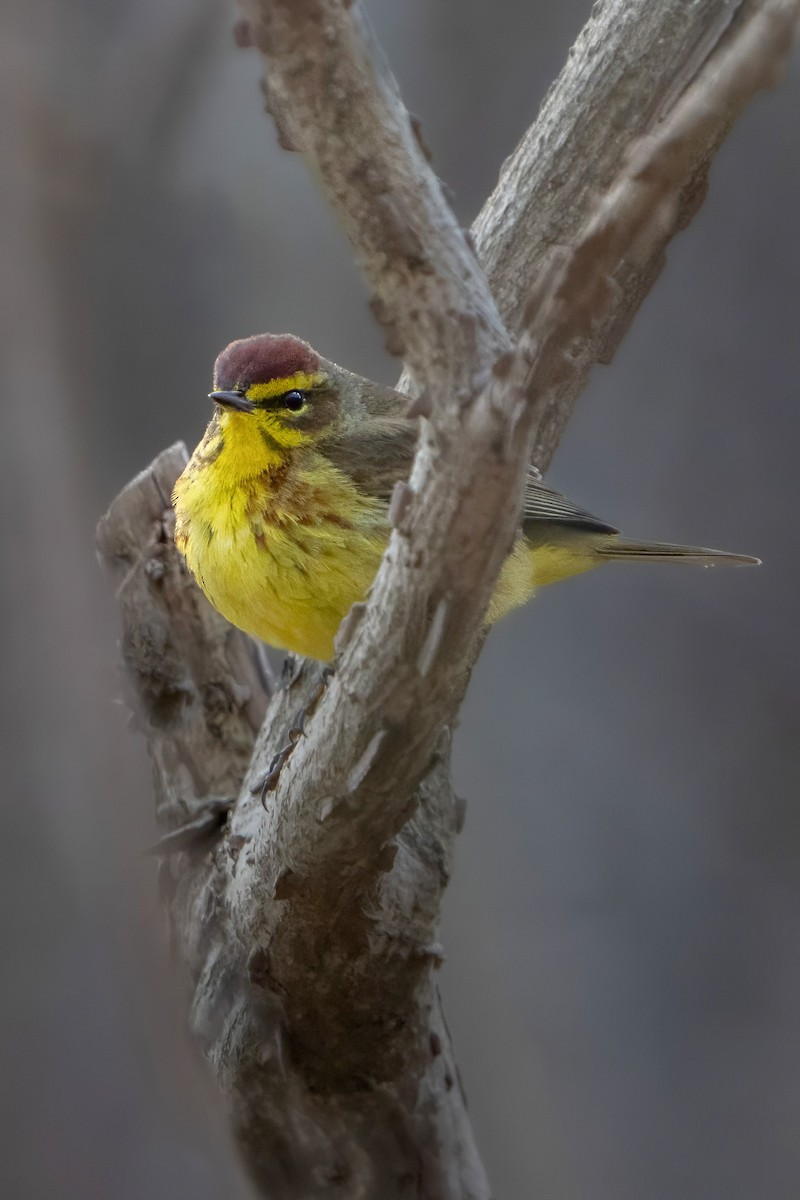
544,505
376,455
380,452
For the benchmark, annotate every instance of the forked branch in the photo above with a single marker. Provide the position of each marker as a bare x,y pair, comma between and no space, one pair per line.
309,930
401,675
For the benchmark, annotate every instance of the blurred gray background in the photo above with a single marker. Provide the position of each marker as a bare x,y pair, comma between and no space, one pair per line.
622,928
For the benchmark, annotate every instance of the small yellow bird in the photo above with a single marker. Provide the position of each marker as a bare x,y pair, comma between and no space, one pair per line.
282,511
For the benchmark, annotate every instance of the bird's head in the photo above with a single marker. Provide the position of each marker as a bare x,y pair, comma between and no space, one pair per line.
273,390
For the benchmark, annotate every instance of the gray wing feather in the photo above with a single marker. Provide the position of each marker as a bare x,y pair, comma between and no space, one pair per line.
380,453
375,456
543,504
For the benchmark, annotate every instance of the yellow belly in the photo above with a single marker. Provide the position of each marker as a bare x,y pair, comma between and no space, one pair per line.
284,567
292,591
289,588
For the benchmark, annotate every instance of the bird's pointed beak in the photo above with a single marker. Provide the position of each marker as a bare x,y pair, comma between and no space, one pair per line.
235,400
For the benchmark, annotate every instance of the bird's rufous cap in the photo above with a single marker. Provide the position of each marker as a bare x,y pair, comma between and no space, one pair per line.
262,358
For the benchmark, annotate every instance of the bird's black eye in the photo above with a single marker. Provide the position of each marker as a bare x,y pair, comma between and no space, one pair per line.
294,400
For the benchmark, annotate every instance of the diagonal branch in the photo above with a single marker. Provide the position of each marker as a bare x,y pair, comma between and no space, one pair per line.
335,100
628,67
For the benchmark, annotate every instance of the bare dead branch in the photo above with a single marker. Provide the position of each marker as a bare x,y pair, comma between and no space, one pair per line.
310,930
629,65
457,528
335,100
196,683
579,293
576,148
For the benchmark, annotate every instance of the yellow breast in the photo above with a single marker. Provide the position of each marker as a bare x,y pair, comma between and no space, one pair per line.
283,554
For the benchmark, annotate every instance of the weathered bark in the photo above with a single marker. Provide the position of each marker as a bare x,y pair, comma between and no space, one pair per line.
308,926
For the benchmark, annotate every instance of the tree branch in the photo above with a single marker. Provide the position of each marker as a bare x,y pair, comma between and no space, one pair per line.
310,930
628,67
339,795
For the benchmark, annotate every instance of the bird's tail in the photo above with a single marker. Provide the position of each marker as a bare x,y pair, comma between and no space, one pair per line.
623,548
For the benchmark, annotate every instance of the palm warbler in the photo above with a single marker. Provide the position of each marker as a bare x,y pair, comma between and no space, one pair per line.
282,511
